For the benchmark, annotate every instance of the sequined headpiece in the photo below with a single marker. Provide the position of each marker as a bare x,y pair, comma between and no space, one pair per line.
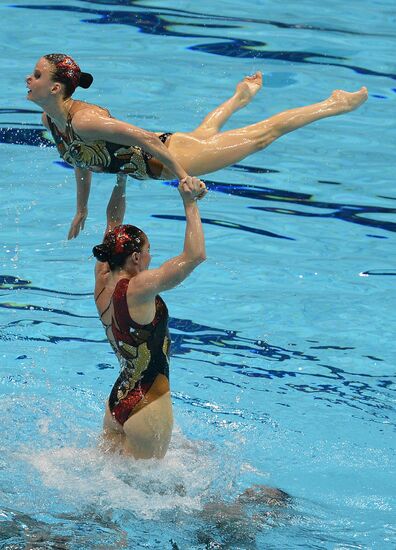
125,241
68,68
118,244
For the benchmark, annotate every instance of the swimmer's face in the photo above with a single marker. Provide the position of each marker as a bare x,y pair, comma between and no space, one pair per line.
40,83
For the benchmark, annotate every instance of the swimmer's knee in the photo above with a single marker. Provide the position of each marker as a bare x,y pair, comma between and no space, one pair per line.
204,132
266,138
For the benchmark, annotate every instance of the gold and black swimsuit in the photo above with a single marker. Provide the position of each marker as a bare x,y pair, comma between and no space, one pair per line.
103,156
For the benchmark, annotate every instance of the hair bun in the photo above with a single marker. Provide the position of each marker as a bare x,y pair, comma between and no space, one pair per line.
86,80
101,252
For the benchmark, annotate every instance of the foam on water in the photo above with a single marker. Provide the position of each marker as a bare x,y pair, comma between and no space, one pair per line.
146,488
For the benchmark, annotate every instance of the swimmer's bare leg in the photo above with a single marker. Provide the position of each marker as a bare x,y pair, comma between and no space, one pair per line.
202,155
244,93
148,431
338,103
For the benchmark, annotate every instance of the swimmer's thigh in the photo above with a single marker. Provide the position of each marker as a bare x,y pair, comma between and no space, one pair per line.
148,431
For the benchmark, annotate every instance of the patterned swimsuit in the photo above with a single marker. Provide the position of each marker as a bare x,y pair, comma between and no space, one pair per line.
142,350
102,156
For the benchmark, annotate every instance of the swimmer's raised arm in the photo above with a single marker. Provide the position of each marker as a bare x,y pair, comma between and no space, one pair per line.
116,207
148,283
92,125
115,216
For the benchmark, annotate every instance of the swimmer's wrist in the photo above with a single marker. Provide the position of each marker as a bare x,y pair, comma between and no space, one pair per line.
189,201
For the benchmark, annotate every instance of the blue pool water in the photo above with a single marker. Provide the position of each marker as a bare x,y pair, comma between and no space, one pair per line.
283,341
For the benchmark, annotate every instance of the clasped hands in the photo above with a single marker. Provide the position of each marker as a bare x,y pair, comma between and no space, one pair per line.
192,189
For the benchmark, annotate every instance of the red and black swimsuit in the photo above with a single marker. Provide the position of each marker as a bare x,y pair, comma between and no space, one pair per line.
143,352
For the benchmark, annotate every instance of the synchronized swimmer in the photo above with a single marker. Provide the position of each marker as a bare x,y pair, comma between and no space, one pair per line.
91,140
138,420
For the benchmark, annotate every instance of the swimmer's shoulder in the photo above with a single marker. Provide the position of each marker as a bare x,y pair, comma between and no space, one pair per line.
85,115
80,111
81,106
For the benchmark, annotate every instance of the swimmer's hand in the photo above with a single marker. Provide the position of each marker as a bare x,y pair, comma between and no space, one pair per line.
192,189
77,224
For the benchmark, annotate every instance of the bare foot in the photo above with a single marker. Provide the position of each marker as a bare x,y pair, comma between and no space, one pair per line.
348,101
248,87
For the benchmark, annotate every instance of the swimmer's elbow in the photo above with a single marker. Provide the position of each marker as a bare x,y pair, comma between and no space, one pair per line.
193,260
200,258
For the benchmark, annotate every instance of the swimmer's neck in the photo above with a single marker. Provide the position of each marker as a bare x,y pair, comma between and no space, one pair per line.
123,273
58,110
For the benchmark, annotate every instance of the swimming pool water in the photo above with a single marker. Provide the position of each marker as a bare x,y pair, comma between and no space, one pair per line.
283,341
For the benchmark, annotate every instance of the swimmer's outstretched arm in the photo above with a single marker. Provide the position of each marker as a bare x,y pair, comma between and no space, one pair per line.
92,126
83,181
148,283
